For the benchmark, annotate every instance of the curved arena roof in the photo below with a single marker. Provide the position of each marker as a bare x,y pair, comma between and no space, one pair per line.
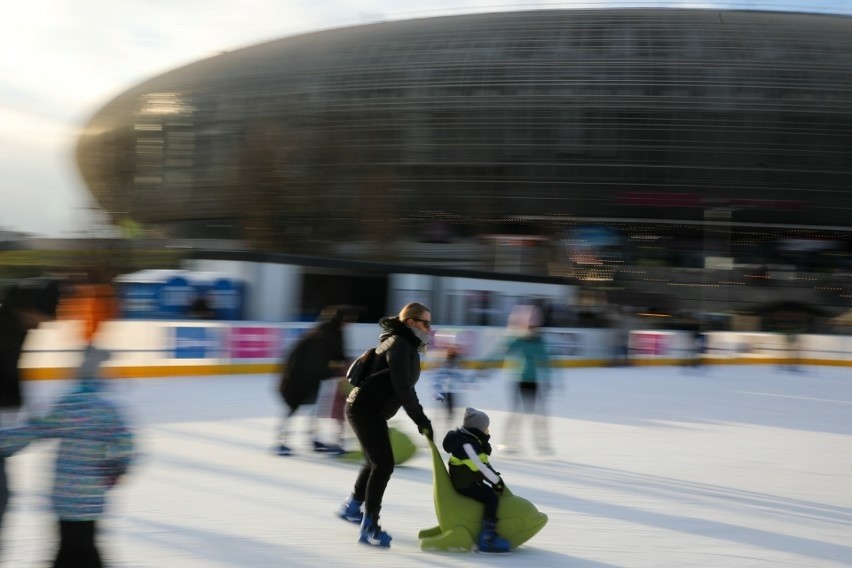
473,120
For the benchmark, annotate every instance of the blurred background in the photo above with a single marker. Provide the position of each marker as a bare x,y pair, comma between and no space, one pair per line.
627,165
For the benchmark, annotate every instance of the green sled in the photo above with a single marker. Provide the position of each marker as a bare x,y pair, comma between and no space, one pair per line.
403,448
460,518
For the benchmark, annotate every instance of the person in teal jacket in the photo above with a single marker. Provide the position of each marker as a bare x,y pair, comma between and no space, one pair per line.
527,356
95,449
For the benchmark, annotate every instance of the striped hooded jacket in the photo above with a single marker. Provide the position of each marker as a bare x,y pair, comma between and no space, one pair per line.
95,448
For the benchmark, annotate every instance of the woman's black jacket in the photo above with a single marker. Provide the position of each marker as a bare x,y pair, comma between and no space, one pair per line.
392,386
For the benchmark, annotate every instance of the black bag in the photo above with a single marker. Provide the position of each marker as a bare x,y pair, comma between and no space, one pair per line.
362,367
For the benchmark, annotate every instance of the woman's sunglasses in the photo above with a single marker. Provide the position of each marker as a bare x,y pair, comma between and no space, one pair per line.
426,323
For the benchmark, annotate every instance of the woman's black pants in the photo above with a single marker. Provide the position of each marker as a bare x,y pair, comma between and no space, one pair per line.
371,429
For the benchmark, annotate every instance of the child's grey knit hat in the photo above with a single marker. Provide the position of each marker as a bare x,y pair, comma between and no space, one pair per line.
477,419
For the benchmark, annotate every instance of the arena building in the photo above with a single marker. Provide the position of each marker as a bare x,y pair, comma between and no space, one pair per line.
677,134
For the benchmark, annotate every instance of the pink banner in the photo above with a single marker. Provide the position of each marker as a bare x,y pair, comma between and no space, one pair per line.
255,343
649,343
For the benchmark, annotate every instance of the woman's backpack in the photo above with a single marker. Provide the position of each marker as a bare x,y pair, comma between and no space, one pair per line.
362,367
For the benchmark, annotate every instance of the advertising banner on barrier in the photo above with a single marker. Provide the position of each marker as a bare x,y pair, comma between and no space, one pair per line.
563,343
462,340
139,344
649,343
255,342
196,342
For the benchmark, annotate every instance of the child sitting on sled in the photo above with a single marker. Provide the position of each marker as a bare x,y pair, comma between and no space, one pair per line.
473,476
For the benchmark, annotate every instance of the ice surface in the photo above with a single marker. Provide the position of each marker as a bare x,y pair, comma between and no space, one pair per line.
741,466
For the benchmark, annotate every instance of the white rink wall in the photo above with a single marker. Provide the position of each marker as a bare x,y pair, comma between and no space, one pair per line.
168,348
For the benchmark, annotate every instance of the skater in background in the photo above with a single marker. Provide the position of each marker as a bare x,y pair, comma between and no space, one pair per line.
621,324
338,414
95,450
90,301
369,407
473,476
699,346
527,356
318,355
24,307
696,343
792,359
448,381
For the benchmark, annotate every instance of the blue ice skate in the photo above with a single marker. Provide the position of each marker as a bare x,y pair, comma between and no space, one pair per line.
351,511
373,535
490,541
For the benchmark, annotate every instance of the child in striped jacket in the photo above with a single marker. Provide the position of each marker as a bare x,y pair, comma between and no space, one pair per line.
95,449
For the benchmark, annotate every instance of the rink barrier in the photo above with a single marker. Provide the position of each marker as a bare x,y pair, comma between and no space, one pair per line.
199,348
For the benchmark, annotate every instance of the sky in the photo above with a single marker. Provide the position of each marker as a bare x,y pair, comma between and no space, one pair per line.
62,60
729,467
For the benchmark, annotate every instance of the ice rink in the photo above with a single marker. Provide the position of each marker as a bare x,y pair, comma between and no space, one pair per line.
739,466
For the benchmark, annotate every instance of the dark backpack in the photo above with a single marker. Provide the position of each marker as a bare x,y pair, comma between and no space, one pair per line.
362,367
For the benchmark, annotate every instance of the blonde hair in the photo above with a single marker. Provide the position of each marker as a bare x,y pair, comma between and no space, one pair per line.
413,310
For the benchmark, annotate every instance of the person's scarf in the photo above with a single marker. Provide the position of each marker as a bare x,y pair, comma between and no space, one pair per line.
422,336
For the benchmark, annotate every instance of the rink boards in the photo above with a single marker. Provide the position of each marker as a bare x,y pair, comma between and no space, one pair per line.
176,348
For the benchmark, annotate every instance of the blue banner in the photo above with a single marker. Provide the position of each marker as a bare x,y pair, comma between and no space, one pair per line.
194,343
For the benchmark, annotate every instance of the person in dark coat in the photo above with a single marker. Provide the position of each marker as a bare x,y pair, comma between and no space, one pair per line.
318,355
371,405
25,306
